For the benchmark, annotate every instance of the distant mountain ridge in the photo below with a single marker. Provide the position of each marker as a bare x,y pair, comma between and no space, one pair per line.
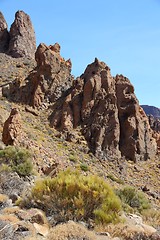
151,110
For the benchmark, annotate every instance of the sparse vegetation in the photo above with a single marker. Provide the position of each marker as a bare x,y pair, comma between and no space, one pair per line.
113,178
73,196
133,200
72,158
152,216
84,167
16,159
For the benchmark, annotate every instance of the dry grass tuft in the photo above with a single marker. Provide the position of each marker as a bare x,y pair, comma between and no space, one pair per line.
71,230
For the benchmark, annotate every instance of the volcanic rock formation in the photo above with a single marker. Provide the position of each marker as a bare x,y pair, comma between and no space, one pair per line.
106,108
52,76
135,133
22,37
4,35
155,125
12,130
108,111
48,82
20,40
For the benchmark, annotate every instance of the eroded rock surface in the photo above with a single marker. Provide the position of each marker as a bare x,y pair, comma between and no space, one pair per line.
48,82
108,111
155,125
4,35
52,76
135,134
12,130
22,37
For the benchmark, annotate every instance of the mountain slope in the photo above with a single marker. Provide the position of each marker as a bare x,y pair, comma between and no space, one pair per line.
151,110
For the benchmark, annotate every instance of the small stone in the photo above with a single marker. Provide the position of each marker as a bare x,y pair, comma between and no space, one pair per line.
41,229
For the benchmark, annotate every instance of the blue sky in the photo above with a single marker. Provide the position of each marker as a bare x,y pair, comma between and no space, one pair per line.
125,34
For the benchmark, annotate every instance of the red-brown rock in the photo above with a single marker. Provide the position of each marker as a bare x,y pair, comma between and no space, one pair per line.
49,81
22,37
12,130
155,125
51,78
136,140
109,114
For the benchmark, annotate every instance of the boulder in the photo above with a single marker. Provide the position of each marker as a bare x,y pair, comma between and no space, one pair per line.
4,35
12,129
22,37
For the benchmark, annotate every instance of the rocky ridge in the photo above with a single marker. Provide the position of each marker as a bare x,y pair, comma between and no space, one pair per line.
151,110
48,81
106,108
108,111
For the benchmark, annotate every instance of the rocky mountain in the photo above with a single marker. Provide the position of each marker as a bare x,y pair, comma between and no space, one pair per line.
93,126
108,111
151,110
106,108
20,40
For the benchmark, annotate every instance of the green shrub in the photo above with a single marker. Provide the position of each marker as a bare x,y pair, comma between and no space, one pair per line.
72,158
84,167
73,196
18,159
133,199
113,178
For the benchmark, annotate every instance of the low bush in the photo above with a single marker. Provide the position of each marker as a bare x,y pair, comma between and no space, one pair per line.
73,196
72,158
115,179
17,159
84,167
133,200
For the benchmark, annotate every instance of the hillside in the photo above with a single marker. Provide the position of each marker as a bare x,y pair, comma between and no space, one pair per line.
80,133
151,110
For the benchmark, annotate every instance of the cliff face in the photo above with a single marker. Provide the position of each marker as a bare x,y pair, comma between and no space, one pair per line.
108,111
52,76
50,79
153,114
